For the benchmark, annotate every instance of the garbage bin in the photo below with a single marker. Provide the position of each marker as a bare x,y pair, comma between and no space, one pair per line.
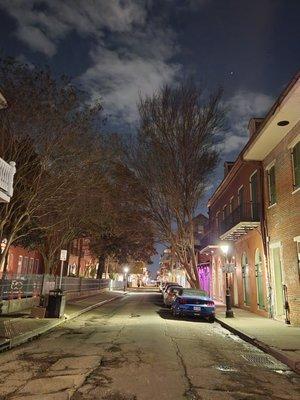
56,304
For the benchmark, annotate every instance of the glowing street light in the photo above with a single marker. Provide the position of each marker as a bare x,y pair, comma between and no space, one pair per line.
229,313
224,248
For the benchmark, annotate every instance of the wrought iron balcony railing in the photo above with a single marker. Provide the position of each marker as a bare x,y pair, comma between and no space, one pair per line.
246,216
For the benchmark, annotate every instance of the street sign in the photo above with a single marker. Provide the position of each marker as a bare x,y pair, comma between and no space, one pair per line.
63,255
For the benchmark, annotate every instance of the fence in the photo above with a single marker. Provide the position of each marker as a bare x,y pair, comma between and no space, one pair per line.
24,286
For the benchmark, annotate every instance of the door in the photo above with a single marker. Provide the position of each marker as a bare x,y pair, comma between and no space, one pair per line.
259,280
254,196
277,279
246,279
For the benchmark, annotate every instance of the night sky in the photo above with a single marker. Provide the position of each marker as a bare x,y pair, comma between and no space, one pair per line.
116,49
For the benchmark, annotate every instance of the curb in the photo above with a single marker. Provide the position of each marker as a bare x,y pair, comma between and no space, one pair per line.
278,354
25,337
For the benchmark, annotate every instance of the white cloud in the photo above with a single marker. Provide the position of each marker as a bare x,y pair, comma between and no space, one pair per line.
42,23
138,67
241,107
129,52
37,39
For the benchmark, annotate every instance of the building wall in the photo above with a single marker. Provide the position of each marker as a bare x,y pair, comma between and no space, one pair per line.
283,221
22,261
81,261
230,189
248,244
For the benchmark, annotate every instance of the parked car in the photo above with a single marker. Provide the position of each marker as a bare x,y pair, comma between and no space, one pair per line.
170,294
163,285
166,287
193,302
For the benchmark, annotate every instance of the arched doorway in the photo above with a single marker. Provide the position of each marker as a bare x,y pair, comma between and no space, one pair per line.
246,279
259,280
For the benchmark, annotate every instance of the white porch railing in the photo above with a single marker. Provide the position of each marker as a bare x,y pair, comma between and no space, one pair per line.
7,172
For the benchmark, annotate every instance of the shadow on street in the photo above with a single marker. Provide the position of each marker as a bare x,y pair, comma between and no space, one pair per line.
166,313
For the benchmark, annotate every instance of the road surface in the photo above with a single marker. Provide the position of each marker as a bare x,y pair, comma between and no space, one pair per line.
132,349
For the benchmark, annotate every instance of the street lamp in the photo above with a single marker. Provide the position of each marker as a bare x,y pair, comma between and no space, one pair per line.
125,270
227,269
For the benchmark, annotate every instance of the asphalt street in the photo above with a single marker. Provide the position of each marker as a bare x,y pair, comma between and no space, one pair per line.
132,349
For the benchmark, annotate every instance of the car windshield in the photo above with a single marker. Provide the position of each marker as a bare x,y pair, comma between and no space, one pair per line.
193,292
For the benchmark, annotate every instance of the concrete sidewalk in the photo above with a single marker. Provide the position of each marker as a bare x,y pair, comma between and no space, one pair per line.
275,338
17,329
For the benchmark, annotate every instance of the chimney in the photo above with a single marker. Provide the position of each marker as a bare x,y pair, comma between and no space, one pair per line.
254,125
227,167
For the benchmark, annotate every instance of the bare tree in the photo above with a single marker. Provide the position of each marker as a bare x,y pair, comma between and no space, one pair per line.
48,132
114,217
172,160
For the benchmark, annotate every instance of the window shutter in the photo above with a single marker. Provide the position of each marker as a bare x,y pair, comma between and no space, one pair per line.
296,165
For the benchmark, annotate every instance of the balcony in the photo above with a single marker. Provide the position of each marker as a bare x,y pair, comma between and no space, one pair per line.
7,172
244,218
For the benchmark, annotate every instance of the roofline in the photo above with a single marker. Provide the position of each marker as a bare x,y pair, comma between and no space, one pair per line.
255,135
272,110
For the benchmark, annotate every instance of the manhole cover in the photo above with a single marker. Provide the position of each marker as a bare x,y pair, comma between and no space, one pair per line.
262,360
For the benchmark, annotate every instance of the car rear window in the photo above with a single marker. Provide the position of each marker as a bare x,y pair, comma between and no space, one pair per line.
173,288
193,292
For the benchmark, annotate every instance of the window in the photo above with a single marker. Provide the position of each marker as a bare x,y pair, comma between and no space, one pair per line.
271,185
254,195
218,222
31,265
241,196
36,266
20,263
225,212
231,205
25,265
296,165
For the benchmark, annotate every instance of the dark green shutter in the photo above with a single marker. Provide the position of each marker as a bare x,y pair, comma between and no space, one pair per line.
272,186
296,165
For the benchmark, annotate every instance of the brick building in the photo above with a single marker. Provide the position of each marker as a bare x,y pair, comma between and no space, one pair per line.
256,209
235,214
22,261
81,261
276,144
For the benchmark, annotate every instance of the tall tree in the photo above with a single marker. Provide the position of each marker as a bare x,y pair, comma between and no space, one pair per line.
172,160
49,133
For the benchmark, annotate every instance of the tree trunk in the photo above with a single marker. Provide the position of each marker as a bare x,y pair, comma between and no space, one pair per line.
101,266
4,261
79,255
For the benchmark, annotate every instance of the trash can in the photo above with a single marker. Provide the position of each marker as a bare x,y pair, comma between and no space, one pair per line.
56,304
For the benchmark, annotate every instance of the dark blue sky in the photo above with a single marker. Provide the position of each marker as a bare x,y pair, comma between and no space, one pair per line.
117,49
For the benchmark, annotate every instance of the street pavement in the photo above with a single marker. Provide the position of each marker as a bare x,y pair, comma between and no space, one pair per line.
132,349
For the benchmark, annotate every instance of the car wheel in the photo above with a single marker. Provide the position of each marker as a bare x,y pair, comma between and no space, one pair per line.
211,320
175,314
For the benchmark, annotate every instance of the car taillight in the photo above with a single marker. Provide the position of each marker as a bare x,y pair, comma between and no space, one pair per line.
182,301
210,303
